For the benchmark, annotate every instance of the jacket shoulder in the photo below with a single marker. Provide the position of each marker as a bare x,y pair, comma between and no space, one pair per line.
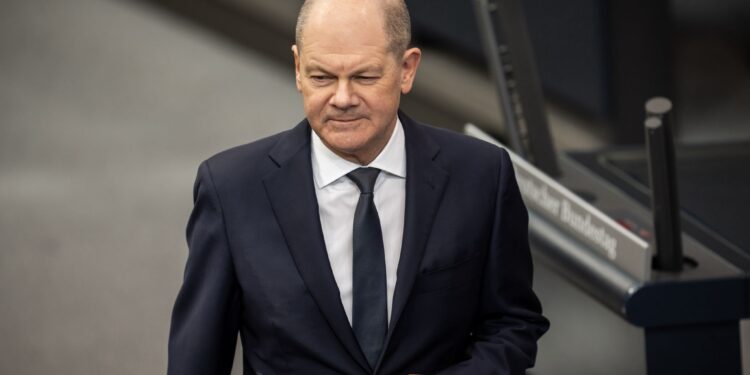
243,164
464,150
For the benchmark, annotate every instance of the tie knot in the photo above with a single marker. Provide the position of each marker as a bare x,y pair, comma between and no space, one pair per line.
364,178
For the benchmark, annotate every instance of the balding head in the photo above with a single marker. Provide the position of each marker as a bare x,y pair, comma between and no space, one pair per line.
352,64
394,13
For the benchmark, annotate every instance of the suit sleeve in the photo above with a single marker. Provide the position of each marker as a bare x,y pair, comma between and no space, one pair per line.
510,317
205,319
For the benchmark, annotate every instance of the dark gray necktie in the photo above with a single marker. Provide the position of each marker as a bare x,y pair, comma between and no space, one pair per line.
369,309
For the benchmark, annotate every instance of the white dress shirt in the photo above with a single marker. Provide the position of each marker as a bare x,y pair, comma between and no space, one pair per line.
337,199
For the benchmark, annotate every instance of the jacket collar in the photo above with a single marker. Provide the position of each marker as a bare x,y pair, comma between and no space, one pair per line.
425,183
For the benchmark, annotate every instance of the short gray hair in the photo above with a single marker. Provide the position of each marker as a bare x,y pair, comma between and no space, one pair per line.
397,24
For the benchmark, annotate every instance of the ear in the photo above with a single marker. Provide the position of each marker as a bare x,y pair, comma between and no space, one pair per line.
295,51
409,65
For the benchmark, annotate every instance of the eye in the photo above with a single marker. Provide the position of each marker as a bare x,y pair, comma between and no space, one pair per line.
367,79
321,79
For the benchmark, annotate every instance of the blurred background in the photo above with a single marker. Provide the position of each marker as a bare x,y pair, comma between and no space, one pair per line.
107,108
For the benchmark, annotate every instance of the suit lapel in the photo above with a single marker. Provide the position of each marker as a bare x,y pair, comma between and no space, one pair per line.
425,182
291,190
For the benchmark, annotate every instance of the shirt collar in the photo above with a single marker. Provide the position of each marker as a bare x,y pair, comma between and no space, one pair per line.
329,167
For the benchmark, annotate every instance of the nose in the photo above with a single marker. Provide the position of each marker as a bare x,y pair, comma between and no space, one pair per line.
344,97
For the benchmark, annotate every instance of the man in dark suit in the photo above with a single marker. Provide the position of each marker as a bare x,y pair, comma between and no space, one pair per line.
360,241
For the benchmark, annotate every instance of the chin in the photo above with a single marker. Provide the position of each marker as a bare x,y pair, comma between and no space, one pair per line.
355,126
346,137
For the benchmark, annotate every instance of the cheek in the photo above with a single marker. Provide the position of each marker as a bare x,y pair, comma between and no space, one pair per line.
383,101
314,101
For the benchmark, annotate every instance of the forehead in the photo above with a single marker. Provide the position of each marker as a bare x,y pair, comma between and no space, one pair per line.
345,28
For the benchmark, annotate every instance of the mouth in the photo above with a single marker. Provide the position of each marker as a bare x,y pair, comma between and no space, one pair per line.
343,120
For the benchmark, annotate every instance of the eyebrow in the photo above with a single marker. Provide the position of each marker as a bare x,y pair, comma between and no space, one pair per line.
314,67
367,68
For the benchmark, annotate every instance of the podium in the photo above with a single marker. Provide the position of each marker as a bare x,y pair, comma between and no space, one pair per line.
690,318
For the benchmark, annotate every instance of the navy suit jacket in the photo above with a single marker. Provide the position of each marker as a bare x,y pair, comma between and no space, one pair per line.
257,265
